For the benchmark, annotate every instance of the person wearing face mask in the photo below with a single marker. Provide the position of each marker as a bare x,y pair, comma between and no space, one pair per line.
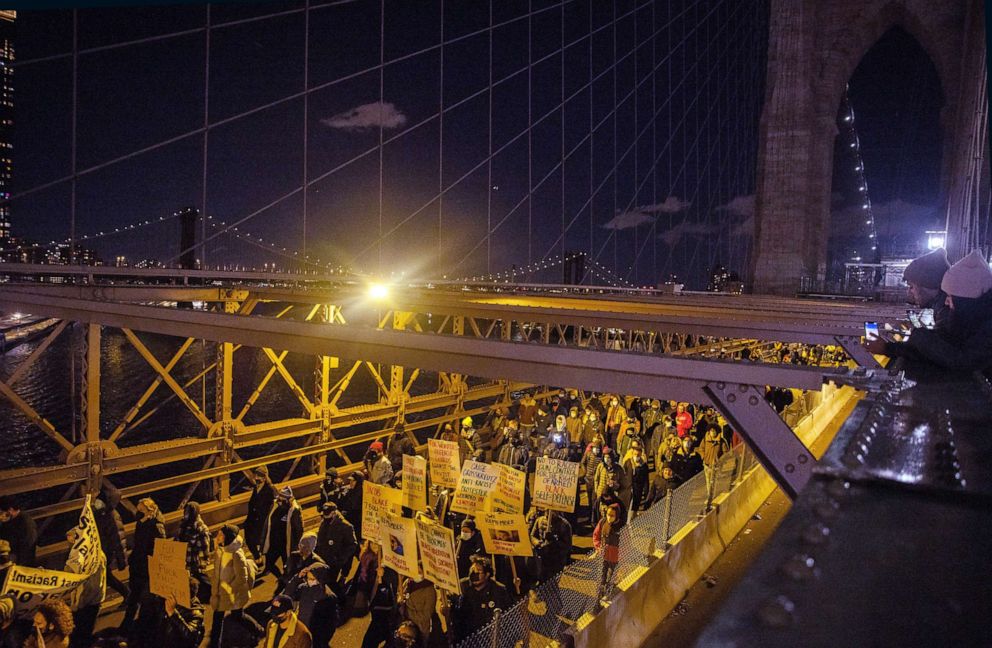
635,467
332,488
588,466
231,580
574,425
527,415
199,545
351,501
683,421
513,452
616,414
663,481
337,544
301,560
468,545
285,630
551,536
608,473
659,435
592,428
630,432
263,494
481,596
666,451
377,465
383,609
150,525
283,530
317,604
606,540
711,449
686,461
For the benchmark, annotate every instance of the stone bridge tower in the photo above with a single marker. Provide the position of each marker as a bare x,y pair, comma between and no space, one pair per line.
813,49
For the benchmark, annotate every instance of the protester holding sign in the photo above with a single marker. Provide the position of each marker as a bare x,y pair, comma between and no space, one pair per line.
88,597
444,462
551,535
164,622
399,544
414,482
469,545
150,525
377,502
437,553
474,485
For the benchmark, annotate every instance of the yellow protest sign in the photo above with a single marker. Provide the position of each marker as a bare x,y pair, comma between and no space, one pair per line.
555,484
437,555
414,482
398,537
444,462
474,484
507,495
167,573
505,534
377,502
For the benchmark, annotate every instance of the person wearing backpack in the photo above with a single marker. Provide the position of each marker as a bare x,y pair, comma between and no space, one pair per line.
232,579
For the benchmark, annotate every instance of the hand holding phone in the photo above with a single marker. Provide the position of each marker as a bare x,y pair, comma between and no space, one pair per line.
871,330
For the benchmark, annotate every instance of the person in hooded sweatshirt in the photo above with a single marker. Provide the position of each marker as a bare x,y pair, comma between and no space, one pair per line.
150,525
231,580
283,530
965,344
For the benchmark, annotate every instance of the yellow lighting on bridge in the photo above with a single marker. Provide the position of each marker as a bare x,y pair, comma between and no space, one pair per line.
378,291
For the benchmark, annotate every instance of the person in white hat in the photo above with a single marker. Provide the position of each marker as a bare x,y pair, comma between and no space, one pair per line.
966,343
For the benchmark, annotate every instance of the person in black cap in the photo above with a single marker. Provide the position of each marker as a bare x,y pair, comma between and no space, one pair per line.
284,629
336,542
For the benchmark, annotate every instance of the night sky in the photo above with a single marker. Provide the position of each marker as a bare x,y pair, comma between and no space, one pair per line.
645,197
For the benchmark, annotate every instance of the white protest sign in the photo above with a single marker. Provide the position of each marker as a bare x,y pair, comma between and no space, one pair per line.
437,555
399,544
444,462
167,573
554,484
377,502
474,484
414,482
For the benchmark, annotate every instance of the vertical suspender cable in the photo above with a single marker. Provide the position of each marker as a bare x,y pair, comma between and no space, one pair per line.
206,139
440,145
72,144
306,117
382,99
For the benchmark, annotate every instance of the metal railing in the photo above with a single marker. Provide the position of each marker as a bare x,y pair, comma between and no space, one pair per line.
580,589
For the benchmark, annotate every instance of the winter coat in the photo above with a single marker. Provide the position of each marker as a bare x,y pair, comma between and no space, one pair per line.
475,608
259,507
293,519
608,543
616,416
604,476
112,539
230,589
420,602
527,412
153,628
145,533
22,534
296,635
589,431
317,605
574,426
199,544
465,549
965,344
683,423
351,507
336,542
589,463
712,447
513,455
636,482
381,471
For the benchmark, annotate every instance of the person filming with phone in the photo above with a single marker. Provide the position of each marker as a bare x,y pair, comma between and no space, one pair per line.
924,275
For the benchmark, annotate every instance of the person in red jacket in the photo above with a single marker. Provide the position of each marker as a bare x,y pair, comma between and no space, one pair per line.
606,539
683,421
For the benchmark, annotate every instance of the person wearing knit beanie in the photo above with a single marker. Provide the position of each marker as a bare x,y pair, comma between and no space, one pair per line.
924,275
969,278
966,343
286,493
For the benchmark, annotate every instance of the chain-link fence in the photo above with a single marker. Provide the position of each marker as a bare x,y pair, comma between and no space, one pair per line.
582,587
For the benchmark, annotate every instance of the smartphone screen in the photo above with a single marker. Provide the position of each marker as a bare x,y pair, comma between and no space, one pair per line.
871,330
926,318
914,318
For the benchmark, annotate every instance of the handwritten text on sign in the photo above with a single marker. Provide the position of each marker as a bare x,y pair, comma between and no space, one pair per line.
444,461
554,484
474,485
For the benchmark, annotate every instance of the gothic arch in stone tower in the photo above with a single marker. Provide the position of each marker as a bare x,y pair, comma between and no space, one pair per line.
813,49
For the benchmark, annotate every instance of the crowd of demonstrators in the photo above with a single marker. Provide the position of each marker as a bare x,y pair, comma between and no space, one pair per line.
630,452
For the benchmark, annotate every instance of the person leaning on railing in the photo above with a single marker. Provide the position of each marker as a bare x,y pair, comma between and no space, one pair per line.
965,343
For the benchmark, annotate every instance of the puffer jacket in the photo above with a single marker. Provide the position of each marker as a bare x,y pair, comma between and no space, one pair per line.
230,589
966,343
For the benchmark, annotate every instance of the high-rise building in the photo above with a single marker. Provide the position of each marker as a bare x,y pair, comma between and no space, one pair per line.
7,18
